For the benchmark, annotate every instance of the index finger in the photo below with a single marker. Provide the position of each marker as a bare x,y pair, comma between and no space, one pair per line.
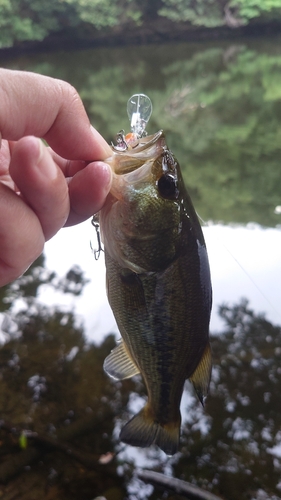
33,104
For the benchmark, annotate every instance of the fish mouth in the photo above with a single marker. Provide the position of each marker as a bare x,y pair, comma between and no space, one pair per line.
137,153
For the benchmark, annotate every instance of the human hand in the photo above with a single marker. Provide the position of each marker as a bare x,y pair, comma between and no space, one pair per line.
43,189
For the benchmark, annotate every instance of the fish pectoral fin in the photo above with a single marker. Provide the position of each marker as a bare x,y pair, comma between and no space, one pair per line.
142,430
119,364
201,376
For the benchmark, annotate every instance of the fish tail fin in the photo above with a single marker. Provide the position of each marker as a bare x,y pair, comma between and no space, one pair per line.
142,430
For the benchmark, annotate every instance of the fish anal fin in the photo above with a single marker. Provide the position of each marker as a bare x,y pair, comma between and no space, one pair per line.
201,376
142,430
119,364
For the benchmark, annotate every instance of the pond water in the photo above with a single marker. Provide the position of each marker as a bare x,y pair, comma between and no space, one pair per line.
220,107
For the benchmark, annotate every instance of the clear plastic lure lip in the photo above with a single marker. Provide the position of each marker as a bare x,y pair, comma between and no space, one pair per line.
139,109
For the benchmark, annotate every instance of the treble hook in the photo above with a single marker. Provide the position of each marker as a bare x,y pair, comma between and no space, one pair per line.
96,225
121,142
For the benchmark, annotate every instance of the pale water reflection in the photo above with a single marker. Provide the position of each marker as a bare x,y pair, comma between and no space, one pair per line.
244,261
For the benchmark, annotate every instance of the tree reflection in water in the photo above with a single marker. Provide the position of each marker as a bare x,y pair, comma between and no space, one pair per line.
59,409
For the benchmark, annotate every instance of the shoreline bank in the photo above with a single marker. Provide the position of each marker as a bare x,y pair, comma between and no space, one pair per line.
150,33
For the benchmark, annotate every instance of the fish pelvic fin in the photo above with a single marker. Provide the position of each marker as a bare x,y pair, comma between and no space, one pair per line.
202,375
119,364
142,430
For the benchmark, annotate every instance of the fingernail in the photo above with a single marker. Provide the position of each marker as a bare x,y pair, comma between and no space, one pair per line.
102,144
102,180
107,176
45,162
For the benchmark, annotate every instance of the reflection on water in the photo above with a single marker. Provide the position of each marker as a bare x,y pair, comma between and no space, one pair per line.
220,106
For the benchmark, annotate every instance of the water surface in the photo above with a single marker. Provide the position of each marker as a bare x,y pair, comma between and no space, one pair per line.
220,106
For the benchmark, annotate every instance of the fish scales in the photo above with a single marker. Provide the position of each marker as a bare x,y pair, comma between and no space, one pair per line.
159,289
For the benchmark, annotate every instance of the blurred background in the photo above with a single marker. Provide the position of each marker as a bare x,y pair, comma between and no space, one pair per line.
213,72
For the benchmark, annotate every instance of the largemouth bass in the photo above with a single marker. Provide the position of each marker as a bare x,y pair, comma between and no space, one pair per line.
158,286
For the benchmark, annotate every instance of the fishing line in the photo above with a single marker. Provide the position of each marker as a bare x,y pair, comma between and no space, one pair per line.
205,224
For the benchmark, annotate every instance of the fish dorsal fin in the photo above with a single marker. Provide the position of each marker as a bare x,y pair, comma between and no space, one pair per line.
201,376
119,364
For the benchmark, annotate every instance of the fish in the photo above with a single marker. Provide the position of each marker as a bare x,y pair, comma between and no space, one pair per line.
158,286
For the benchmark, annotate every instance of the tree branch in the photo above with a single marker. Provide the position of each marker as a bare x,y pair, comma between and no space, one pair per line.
177,485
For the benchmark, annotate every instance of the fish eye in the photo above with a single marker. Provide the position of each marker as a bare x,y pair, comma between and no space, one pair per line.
167,186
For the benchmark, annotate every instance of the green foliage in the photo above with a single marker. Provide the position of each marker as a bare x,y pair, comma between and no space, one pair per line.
33,20
249,9
107,13
23,441
29,20
100,13
226,116
220,107
22,20
211,13
207,13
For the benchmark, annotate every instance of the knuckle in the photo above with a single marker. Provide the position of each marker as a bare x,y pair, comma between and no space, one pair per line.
69,94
